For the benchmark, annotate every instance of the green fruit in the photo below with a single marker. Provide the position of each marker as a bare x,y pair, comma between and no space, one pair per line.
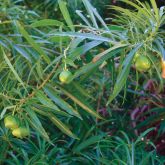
21,132
142,63
65,76
11,122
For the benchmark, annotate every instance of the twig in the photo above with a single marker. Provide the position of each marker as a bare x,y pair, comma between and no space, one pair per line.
22,101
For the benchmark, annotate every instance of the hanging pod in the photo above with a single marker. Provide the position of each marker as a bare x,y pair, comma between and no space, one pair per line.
21,132
65,76
11,122
142,63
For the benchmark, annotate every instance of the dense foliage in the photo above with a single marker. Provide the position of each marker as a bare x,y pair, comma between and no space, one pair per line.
76,88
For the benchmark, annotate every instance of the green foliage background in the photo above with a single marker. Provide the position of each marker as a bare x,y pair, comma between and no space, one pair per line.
67,121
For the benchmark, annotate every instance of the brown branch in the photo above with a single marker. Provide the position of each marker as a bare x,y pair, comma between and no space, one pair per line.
22,101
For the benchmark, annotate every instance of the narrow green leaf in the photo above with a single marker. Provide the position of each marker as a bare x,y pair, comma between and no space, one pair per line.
59,39
83,18
144,134
90,12
122,76
87,143
160,46
12,68
22,52
99,59
82,90
45,108
32,42
100,19
141,7
35,122
62,127
66,14
45,100
155,8
46,22
77,52
83,36
80,102
100,55
56,122
60,102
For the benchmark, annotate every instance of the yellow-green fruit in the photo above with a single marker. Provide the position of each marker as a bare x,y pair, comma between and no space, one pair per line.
21,132
142,63
11,122
65,76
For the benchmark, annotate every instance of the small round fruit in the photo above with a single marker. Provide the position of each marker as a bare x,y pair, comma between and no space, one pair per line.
11,122
21,132
142,63
65,76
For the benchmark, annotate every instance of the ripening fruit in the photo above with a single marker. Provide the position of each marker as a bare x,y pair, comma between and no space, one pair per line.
11,122
163,68
65,76
142,63
21,132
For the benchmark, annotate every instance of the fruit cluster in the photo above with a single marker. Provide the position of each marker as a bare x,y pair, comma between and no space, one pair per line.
13,123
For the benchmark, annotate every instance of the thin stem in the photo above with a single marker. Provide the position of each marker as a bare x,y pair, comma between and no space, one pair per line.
65,55
22,101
